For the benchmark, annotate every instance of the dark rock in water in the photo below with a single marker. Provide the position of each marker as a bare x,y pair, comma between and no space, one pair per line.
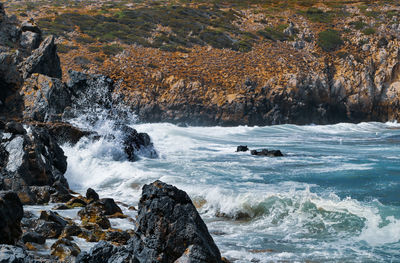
42,193
11,213
242,148
97,211
265,152
100,253
13,254
33,237
169,229
64,248
44,60
136,143
71,230
76,202
48,229
53,217
45,98
91,194
66,133
32,159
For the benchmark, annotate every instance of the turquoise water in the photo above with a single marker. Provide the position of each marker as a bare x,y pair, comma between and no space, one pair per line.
333,197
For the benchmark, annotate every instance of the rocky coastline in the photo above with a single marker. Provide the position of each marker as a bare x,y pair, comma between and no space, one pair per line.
35,106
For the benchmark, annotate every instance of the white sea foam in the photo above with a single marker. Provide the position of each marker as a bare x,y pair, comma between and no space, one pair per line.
257,205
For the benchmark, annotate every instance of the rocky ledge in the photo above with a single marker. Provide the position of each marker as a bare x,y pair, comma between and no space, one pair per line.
168,229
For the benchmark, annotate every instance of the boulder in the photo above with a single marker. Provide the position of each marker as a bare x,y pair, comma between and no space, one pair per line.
97,211
65,249
92,195
266,152
31,158
169,229
11,213
242,148
135,143
13,254
33,237
43,60
44,98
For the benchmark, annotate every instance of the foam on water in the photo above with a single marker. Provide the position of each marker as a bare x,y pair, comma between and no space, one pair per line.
333,197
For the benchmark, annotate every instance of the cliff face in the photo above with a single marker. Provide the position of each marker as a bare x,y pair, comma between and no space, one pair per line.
230,63
304,90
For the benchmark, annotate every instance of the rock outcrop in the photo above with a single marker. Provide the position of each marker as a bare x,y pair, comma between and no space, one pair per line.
11,213
169,229
31,162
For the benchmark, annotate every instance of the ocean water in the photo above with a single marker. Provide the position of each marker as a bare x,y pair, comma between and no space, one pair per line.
333,197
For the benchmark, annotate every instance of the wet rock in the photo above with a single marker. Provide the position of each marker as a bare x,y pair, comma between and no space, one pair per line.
100,253
170,228
242,148
32,159
11,213
265,152
92,195
66,133
61,207
65,249
136,144
44,98
42,193
97,211
44,60
13,254
76,202
14,128
48,229
71,230
33,237
54,217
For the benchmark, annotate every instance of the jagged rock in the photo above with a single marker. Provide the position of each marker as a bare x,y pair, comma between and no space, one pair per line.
15,128
33,237
53,217
13,254
86,89
30,26
30,41
265,152
119,237
64,248
169,229
44,60
48,229
92,195
44,98
42,193
100,253
32,159
11,213
136,143
242,148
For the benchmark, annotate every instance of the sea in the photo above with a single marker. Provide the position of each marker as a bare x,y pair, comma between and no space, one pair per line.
333,197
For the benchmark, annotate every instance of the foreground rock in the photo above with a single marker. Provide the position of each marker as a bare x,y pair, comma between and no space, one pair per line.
169,229
13,254
11,213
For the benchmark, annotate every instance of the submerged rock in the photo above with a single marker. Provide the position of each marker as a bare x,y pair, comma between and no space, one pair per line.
169,229
265,152
11,213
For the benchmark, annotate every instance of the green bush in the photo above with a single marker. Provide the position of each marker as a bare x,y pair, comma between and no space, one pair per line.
359,25
273,34
369,31
317,15
329,40
112,50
